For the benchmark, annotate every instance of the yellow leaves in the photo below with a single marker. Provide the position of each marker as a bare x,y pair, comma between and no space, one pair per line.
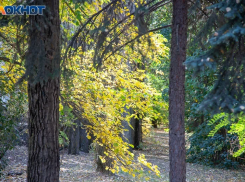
151,33
124,169
113,170
102,159
103,96
159,72
143,161
106,153
103,140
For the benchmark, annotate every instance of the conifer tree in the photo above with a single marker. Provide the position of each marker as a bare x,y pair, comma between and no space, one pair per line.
227,56
177,93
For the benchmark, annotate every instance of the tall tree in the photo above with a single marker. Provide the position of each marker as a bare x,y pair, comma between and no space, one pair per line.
43,70
177,151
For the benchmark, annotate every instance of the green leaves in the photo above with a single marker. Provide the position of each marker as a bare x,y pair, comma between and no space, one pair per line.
237,127
223,120
63,138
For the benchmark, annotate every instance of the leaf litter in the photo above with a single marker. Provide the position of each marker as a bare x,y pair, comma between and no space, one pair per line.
82,167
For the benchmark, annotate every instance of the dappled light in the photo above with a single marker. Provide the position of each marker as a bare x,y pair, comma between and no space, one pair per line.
122,90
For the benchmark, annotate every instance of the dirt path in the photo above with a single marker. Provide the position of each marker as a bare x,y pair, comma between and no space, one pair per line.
82,168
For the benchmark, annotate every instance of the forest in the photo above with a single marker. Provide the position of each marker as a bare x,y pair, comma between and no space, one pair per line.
122,90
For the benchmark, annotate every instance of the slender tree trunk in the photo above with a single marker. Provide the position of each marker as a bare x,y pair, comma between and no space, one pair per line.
177,153
137,133
43,70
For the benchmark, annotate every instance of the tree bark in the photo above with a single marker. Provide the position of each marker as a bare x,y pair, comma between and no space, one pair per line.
84,141
137,134
128,136
101,167
74,138
43,71
177,153
132,136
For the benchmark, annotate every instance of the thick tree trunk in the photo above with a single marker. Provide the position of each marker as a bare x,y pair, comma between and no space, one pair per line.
43,66
177,153
74,138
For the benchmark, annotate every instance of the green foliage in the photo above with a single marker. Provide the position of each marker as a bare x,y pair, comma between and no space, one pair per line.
237,127
158,78
212,151
226,55
63,139
211,144
66,116
223,120
196,89
11,108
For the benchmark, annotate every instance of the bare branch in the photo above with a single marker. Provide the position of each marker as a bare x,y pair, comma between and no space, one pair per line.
120,47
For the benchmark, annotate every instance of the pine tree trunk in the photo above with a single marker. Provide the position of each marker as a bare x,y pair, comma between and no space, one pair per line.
177,153
43,66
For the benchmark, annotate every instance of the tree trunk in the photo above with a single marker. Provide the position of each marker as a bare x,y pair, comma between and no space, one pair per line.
137,133
132,136
74,138
101,167
177,153
128,136
154,123
84,141
43,71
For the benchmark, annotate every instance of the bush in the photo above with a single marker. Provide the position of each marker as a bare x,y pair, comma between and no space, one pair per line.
212,151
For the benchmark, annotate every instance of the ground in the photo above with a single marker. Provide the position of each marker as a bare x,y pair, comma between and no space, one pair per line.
82,167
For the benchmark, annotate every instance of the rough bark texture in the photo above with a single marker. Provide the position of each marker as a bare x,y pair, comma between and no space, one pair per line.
74,138
43,66
177,151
